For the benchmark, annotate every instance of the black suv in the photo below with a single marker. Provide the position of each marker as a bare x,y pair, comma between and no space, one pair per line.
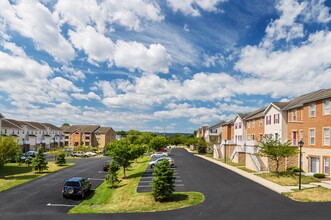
76,186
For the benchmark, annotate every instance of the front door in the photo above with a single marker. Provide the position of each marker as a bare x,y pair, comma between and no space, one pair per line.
314,165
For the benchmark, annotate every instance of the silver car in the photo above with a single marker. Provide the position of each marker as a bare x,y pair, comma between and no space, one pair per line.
159,154
153,163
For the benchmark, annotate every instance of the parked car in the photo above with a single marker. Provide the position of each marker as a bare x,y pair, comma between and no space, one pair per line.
27,154
78,154
76,186
163,150
89,154
159,154
153,163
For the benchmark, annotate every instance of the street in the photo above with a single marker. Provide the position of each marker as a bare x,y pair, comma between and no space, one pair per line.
228,195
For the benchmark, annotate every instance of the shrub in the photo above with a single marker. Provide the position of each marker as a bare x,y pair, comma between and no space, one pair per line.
61,159
163,183
112,178
294,169
29,160
319,175
202,149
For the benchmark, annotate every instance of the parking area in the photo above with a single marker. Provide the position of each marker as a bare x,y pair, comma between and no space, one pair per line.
146,181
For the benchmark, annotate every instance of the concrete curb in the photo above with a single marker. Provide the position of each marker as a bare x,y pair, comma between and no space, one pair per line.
266,183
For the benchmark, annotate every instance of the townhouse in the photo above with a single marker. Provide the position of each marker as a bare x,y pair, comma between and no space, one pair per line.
88,135
31,135
201,132
213,133
305,118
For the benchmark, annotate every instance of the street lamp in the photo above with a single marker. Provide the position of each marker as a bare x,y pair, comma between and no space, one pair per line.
300,145
224,151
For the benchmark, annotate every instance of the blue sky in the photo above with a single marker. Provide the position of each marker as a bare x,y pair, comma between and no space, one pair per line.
156,65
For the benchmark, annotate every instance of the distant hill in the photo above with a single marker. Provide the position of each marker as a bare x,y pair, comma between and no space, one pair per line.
171,134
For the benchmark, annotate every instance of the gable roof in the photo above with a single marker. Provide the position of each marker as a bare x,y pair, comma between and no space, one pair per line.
278,105
256,114
51,126
82,128
241,116
103,130
217,125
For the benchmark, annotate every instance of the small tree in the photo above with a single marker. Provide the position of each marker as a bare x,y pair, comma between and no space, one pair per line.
39,163
28,161
112,178
122,152
159,142
9,148
61,159
275,150
163,183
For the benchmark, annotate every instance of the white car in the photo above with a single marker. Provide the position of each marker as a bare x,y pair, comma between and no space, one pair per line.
89,154
159,154
153,163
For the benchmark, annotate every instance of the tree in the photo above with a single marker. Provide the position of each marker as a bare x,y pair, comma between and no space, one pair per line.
112,178
65,125
39,163
163,183
28,160
61,159
276,151
177,139
158,143
121,133
9,148
122,152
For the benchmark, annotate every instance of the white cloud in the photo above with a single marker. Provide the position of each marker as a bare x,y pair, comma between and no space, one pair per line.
88,96
73,73
13,48
186,28
97,47
193,7
316,11
128,13
25,17
133,55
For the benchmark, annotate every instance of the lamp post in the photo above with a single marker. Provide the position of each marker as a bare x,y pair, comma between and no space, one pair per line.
224,151
300,158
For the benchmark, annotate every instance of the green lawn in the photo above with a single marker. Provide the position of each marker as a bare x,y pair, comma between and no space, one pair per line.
126,199
289,179
13,174
317,194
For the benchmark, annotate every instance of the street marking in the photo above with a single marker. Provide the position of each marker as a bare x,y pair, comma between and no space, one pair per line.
95,179
148,177
150,181
60,205
102,172
176,185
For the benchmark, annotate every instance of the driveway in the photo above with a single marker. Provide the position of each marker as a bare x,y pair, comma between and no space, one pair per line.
228,196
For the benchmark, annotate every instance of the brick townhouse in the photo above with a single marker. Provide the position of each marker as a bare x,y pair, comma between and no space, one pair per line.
88,135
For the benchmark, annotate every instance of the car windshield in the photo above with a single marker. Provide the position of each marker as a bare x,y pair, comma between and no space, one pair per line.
72,183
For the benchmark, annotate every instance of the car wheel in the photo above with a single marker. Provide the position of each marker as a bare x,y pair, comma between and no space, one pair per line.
152,166
70,190
64,196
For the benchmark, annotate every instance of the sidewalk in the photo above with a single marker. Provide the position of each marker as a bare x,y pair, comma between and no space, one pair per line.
266,183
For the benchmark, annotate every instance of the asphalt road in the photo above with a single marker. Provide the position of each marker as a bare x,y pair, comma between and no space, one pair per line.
228,196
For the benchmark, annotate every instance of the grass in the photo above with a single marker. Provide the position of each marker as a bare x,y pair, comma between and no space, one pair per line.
13,174
317,194
126,199
247,170
288,179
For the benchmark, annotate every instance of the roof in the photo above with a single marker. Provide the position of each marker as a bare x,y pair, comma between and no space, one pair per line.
52,127
219,124
309,97
278,105
103,130
82,128
240,115
228,122
9,124
256,114
1,116
37,125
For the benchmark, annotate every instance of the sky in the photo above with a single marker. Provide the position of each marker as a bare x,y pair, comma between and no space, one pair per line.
158,65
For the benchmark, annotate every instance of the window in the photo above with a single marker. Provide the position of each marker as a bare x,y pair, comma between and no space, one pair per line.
301,135
248,137
239,125
249,124
327,107
268,119
253,137
294,115
260,122
235,126
326,135
260,137
312,110
276,119
326,166
312,136
253,124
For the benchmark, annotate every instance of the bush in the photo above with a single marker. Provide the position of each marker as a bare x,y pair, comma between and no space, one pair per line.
61,159
112,178
294,169
319,175
163,183
202,149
